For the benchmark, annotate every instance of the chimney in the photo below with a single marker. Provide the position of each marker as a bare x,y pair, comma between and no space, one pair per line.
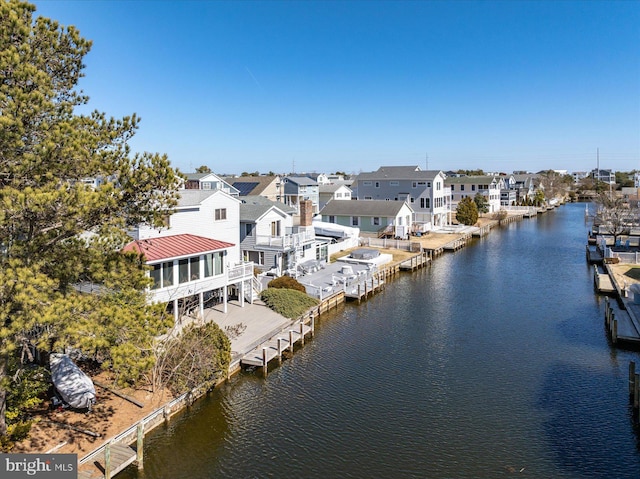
306,213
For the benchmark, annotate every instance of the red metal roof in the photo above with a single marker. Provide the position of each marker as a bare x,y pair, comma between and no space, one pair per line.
166,247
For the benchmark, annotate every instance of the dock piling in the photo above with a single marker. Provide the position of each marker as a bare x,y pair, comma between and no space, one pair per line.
140,446
107,461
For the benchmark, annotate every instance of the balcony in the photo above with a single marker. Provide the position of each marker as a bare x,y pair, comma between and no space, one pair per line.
286,242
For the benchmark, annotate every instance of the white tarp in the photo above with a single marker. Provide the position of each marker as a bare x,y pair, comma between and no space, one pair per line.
74,386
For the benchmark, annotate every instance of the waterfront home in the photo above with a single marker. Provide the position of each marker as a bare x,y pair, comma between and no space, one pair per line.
196,257
190,272
524,186
268,186
208,181
270,239
469,186
299,188
328,192
380,217
424,191
606,176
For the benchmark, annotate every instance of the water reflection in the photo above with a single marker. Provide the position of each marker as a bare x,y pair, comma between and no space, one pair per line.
490,362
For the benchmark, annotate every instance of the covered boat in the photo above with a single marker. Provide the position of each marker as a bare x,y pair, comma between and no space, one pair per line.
73,385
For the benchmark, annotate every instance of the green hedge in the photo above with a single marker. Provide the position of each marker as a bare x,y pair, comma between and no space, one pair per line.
288,302
286,282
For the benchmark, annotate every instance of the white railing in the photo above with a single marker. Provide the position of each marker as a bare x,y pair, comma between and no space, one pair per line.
287,241
390,243
242,271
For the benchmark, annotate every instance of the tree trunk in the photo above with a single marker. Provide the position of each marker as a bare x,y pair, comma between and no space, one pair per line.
3,396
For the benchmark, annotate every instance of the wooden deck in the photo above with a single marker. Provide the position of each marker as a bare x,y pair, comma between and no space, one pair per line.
620,324
602,281
274,347
415,262
120,457
593,254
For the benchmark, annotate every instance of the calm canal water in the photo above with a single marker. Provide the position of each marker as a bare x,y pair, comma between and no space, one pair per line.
491,363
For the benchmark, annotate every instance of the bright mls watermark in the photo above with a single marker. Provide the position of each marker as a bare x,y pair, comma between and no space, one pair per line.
49,466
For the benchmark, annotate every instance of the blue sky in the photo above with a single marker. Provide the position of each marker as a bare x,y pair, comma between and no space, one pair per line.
351,86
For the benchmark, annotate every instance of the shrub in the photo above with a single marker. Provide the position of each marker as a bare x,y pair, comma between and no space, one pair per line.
286,282
288,302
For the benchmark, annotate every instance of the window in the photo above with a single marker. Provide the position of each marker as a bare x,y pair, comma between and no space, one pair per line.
194,267
355,220
366,183
461,187
332,219
221,214
473,187
248,229
413,199
167,274
377,184
453,187
368,198
414,184
213,264
428,184
375,221
338,195
394,183
156,276
438,186
275,228
183,270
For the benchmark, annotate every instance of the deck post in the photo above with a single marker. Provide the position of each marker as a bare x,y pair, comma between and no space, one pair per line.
264,356
291,340
614,329
140,446
166,413
636,391
107,461
279,349
313,325
632,375
301,332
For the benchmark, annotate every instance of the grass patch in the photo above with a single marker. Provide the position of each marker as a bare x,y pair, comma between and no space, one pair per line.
633,273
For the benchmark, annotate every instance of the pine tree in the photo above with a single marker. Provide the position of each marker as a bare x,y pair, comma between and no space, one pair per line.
56,231
467,211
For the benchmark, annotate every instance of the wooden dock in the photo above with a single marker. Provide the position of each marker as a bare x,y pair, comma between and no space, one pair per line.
593,254
276,345
117,455
457,243
620,325
415,262
602,281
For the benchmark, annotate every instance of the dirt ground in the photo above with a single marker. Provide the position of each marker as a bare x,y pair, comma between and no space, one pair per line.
80,433
75,432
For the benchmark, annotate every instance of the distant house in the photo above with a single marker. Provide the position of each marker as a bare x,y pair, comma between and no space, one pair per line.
328,192
524,186
384,218
469,186
299,188
607,176
268,186
425,191
269,239
208,181
579,175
